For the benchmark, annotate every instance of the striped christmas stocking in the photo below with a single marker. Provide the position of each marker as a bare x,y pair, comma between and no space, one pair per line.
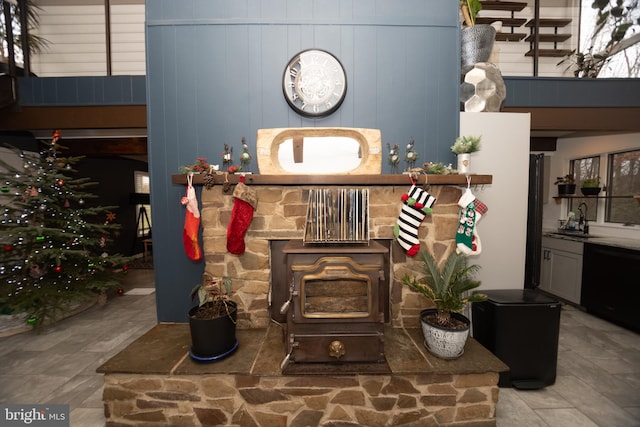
417,204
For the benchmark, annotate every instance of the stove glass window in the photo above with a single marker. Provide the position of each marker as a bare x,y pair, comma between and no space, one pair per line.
343,297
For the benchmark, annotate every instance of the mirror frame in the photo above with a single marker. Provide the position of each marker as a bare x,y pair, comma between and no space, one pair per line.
269,140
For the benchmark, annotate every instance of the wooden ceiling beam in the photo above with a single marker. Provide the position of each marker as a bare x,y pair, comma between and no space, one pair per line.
50,118
131,146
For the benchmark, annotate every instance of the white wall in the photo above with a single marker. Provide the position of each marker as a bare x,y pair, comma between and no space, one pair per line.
77,40
575,148
504,153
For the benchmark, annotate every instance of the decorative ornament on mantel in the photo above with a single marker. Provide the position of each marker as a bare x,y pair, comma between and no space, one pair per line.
394,157
411,156
463,147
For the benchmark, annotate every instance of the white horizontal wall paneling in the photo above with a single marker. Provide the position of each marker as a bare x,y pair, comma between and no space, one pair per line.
127,39
76,37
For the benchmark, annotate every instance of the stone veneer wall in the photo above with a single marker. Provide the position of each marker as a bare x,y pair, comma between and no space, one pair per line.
281,215
296,401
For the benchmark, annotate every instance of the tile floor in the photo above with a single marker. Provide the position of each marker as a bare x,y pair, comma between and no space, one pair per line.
598,374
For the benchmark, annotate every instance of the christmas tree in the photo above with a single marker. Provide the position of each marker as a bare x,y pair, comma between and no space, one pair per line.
55,242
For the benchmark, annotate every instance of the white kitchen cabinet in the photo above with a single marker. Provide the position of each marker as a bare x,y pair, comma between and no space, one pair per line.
561,270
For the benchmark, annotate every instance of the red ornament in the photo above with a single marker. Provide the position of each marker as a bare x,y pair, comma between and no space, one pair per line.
120,291
125,268
8,248
57,269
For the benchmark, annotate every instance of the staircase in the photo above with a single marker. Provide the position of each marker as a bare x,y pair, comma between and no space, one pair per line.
515,23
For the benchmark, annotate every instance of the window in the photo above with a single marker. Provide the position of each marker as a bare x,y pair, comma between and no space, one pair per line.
623,180
143,210
582,169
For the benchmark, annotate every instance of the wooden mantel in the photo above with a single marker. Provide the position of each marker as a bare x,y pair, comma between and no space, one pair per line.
379,179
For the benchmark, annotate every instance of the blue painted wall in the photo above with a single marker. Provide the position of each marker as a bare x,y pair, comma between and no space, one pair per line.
214,73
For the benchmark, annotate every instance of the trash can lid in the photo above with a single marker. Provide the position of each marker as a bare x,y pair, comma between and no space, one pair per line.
518,296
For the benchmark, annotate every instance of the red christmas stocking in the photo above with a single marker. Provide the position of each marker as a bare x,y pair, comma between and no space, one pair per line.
191,222
245,203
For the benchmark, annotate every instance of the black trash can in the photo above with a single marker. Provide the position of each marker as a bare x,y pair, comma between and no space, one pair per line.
521,327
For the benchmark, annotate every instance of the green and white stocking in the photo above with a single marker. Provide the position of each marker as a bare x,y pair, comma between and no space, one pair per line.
467,237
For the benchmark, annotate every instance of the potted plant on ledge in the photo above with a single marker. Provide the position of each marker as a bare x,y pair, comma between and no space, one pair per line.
591,186
445,329
212,322
566,185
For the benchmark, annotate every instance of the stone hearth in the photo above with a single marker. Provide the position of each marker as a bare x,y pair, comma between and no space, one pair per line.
153,382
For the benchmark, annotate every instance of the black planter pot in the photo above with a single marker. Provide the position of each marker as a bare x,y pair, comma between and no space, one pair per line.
590,191
566,189
213,339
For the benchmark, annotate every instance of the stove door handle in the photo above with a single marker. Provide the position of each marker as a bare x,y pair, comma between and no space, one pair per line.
285,361
285,307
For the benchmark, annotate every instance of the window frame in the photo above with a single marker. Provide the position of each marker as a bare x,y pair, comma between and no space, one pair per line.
618,198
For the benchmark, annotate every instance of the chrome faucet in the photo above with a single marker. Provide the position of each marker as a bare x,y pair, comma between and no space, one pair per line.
583,218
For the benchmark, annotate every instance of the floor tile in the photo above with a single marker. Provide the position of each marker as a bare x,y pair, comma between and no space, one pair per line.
512,411
565,417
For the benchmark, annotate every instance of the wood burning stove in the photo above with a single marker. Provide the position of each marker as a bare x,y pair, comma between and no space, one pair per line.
337,302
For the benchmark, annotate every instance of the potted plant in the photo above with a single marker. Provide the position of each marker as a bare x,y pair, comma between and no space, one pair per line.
463,147
445,329
566,185
212,322
477,40
591,186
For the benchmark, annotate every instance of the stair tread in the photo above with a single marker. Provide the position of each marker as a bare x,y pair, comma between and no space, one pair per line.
512,6
506,22
549,37
551,53
549,22
510,37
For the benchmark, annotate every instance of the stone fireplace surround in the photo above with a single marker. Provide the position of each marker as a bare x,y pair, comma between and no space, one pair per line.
248,389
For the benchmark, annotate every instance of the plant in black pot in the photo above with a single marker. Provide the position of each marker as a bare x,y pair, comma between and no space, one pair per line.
212,322
566,185
445,329
591,186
